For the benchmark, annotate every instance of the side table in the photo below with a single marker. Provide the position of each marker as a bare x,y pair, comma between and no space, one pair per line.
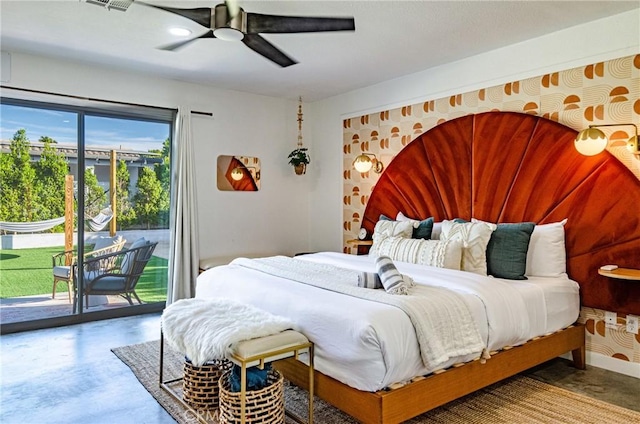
362,246
622,273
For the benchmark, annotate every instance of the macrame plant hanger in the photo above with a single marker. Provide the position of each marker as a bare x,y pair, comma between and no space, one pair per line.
299,122
299,158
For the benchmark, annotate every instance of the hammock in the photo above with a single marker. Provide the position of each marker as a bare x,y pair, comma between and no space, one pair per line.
96,223
30,227
101,220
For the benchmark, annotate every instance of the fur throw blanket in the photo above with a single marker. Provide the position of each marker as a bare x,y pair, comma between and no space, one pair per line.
207,329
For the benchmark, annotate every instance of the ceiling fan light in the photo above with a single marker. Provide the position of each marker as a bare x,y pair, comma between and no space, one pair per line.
179,32
228,34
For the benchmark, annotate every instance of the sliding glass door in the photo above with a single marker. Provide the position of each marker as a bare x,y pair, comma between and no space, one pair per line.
80,188
126,187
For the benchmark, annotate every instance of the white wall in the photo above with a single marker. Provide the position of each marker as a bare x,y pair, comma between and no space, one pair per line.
291,214
605,39
271,220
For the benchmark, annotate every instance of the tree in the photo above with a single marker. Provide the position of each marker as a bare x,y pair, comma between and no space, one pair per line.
94,195
148,199
163,173
51,170
18,202
163,169
126,215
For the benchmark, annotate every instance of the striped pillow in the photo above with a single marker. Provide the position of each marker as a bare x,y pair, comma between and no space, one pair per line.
369,280
385,229
392,280
441,254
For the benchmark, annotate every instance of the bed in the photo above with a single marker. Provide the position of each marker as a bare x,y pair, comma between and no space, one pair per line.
368,360
371,346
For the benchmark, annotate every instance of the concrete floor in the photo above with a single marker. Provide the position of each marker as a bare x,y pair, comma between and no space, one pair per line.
69,375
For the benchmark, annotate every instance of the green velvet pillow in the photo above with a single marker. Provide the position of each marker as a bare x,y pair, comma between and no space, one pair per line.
507,250
423,231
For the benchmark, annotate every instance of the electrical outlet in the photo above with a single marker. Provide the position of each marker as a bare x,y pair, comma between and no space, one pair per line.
610,319
632,324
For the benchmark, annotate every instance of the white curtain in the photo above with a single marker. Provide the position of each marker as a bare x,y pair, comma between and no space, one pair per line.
184,255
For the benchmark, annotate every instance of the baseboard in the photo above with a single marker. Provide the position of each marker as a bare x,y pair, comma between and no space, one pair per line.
611,364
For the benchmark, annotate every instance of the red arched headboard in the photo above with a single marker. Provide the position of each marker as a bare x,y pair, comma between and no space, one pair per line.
513,167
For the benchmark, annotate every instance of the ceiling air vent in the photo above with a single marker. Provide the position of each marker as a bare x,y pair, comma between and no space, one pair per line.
122,5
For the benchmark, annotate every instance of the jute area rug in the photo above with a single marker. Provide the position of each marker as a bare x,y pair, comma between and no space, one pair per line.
519,399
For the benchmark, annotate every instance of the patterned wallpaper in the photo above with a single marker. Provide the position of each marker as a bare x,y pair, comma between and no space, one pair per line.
613,342
601,93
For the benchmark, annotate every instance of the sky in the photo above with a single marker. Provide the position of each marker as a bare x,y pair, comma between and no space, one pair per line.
110,133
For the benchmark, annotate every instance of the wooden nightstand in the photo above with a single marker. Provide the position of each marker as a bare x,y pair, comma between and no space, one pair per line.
362,246
622,273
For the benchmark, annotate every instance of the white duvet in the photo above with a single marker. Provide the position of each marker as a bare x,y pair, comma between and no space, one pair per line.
370,345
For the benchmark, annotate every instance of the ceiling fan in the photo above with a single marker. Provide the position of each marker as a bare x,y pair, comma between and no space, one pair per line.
228,21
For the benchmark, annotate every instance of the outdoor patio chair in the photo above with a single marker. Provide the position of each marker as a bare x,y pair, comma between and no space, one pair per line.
63,262
115,273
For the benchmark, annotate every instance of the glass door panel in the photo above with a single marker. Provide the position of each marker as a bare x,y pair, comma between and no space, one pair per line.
126,191
38,165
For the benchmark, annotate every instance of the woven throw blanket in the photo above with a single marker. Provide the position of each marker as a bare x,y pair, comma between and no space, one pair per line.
207,329
442,320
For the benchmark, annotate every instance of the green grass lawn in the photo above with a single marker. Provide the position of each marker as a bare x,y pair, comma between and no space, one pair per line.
25,272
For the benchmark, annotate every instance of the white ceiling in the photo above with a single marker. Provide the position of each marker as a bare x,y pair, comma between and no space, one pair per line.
392,39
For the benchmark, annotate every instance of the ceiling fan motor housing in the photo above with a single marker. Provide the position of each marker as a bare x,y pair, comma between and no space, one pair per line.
222,23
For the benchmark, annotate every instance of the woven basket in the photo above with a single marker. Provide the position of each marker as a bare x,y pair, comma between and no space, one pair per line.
200,384
264,406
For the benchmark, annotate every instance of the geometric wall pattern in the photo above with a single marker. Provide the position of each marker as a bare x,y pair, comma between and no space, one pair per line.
600,93
613,342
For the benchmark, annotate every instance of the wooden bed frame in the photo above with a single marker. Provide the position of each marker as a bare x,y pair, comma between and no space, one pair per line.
426,393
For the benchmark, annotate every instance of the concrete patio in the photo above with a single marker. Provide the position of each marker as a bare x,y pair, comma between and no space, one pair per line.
42,306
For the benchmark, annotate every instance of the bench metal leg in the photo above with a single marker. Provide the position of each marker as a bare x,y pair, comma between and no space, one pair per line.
311,384
243,392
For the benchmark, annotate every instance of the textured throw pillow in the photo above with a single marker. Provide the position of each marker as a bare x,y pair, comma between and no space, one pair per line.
392,280
441,254
385,229
421,229
369,280
474,237
547,256
507,250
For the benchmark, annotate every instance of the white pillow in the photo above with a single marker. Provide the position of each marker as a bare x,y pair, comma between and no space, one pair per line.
102,242
547,256
474,237
401,217
385,229
436,231
441,254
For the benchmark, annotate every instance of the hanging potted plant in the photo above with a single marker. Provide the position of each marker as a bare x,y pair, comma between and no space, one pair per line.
299,158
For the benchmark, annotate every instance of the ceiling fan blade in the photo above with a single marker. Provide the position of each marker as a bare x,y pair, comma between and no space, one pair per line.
183,43
200,15
258,23
268,50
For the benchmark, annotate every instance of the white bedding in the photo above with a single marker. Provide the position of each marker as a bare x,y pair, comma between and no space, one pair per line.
369,345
